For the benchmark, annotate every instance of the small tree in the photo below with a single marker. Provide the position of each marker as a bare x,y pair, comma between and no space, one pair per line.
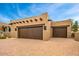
75,26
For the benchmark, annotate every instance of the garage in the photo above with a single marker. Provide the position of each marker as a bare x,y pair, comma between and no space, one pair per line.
31,32
60,32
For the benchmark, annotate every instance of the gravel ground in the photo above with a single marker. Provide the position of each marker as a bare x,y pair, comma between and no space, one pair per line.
34,47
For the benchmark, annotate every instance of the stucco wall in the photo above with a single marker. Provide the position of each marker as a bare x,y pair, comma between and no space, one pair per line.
69,31
46,33
77,36
43,16
62,23
14,34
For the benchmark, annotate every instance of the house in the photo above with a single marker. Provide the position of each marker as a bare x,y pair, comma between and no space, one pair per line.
2,25
5,29
39,27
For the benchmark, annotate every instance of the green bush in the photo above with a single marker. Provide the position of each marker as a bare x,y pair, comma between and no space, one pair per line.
75,26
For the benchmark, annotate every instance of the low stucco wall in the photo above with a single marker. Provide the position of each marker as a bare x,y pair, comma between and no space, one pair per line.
77,36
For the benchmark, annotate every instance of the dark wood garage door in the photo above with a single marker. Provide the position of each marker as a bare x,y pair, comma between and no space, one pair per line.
30,32
60,32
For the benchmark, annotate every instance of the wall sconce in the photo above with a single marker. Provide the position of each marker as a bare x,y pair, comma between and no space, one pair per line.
45,27
15,29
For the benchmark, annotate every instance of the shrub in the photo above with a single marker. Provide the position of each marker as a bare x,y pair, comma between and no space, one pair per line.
75,26
2,36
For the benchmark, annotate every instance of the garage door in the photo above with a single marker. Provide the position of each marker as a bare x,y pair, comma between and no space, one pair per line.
60,32
35,32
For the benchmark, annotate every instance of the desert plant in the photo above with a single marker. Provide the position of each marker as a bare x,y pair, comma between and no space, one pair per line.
2,36
75,26
4,32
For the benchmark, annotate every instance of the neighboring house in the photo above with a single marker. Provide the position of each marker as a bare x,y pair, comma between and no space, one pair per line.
4,27
39,27
1,26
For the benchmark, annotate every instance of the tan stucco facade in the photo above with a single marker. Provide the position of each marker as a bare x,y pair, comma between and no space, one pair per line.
77,36
47,34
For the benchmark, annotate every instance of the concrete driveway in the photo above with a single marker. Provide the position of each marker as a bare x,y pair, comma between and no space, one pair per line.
31,47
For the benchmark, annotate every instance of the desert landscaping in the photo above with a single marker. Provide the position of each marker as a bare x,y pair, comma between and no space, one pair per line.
34,47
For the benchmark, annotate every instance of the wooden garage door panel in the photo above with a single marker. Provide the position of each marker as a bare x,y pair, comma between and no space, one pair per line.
60,31
31,32
36,33
23,33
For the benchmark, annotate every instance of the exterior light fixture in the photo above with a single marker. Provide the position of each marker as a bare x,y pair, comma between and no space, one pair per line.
45,27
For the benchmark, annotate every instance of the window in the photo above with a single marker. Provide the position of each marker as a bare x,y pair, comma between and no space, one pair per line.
35,19
45,28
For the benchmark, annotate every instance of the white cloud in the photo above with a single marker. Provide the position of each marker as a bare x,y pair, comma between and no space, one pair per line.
4,19
18,10
76,18
52,8
73,10
21,13
70,13
44,8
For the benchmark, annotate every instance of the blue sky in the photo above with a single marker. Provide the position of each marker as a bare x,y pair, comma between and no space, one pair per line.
56,12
